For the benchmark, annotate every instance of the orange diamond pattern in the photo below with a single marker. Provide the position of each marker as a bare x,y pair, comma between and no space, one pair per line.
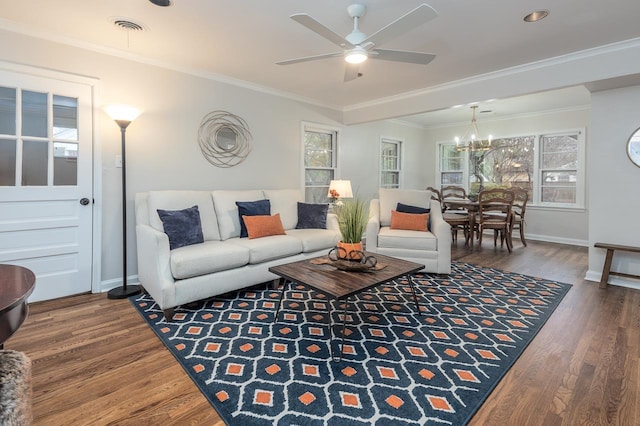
397,367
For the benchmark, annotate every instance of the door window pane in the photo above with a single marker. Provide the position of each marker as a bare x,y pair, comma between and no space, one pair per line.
35,156
65,118
7,111
34,114
7,162
65,163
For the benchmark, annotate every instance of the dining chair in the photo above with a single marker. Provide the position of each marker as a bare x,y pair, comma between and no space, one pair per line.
494,212
454,215
521,196
435,195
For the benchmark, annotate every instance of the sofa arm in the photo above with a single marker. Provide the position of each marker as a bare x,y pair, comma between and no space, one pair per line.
332,223
373,226
442,230
154,265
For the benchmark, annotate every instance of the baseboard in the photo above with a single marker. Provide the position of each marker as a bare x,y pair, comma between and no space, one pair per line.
552,239
117,282
613,280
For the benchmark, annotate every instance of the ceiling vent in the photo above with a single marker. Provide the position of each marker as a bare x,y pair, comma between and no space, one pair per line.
127,24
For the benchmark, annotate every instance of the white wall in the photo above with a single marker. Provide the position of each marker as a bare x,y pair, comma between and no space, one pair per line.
614,181
548,224
162,145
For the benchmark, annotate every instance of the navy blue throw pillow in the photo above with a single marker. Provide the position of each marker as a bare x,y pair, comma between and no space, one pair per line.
252,208
406,208
312,216
183,227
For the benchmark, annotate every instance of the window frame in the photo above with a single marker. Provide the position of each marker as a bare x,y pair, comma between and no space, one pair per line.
536,200
335,137
400,159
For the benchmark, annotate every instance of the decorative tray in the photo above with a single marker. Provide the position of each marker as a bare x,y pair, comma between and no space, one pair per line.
348,265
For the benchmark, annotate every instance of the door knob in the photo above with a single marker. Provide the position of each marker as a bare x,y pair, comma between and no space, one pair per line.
84,201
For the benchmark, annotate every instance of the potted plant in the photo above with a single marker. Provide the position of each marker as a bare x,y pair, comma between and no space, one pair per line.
353,216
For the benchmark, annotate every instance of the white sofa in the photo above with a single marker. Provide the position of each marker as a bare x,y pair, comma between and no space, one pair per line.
433,249
224,261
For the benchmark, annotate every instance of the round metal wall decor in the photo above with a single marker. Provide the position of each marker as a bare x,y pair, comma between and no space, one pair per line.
224,138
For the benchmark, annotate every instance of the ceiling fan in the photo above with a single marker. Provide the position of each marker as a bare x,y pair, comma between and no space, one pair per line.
358,47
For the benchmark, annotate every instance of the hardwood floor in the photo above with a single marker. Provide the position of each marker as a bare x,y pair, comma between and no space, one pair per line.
95,362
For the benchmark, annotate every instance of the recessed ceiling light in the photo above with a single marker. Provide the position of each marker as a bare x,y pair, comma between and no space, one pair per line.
536,16
163,3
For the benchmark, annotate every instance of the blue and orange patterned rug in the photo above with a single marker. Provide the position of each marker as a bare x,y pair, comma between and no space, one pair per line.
398,368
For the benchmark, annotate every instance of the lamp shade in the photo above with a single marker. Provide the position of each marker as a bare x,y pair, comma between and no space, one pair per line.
342,187
122,112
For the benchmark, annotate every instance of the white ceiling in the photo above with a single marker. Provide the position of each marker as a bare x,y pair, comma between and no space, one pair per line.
242,40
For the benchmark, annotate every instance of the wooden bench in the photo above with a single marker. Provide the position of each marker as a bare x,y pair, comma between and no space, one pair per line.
606,271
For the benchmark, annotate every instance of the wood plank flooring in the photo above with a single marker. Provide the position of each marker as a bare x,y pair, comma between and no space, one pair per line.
95,362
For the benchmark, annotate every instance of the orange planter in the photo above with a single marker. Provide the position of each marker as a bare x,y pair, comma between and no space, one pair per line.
352,250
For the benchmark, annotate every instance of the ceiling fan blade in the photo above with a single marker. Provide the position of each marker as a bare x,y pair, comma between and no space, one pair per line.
402,56
310,58
321,30
411,20
351,72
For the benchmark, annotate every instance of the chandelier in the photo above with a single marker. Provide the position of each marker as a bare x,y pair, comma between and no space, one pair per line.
471,140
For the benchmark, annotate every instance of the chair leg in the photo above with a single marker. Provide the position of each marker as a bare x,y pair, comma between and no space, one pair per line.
480,236
524,242
508,238
495,238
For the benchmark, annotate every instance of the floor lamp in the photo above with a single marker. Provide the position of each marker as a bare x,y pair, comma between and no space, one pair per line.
123,115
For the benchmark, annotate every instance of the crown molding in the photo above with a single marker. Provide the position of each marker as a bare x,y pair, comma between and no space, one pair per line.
587,53
110,51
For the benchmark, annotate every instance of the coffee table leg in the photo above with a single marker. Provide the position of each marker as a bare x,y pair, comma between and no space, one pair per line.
344,322
413,290
284,288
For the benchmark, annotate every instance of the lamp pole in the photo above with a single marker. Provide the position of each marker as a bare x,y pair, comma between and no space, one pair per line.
123,116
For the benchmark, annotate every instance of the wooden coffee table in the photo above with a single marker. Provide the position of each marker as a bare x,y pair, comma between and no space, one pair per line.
341,285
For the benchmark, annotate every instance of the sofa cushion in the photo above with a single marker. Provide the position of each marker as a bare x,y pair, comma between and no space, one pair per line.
177,200
227,212
205,258
182,226
409,221
251,208
269,248
312,216
403,239
315,239
263,226
284,201
389,199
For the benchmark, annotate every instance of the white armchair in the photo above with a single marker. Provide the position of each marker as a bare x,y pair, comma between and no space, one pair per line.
432,248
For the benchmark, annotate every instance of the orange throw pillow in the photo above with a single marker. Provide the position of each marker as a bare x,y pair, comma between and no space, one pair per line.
409,221
263,226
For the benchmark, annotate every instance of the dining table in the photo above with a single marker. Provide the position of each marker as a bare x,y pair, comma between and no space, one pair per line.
472,207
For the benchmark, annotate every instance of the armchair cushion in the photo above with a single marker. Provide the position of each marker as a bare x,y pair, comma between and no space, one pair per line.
409,221
389,199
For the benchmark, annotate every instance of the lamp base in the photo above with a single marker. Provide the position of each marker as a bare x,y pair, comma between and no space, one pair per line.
123,293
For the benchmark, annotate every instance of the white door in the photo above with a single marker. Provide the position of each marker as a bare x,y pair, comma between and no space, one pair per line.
46,201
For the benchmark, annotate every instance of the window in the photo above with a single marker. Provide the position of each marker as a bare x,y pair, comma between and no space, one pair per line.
320,147
451,166
390,163
549,166
558,168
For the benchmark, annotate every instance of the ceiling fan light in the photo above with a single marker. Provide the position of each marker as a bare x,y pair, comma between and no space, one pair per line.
356,55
